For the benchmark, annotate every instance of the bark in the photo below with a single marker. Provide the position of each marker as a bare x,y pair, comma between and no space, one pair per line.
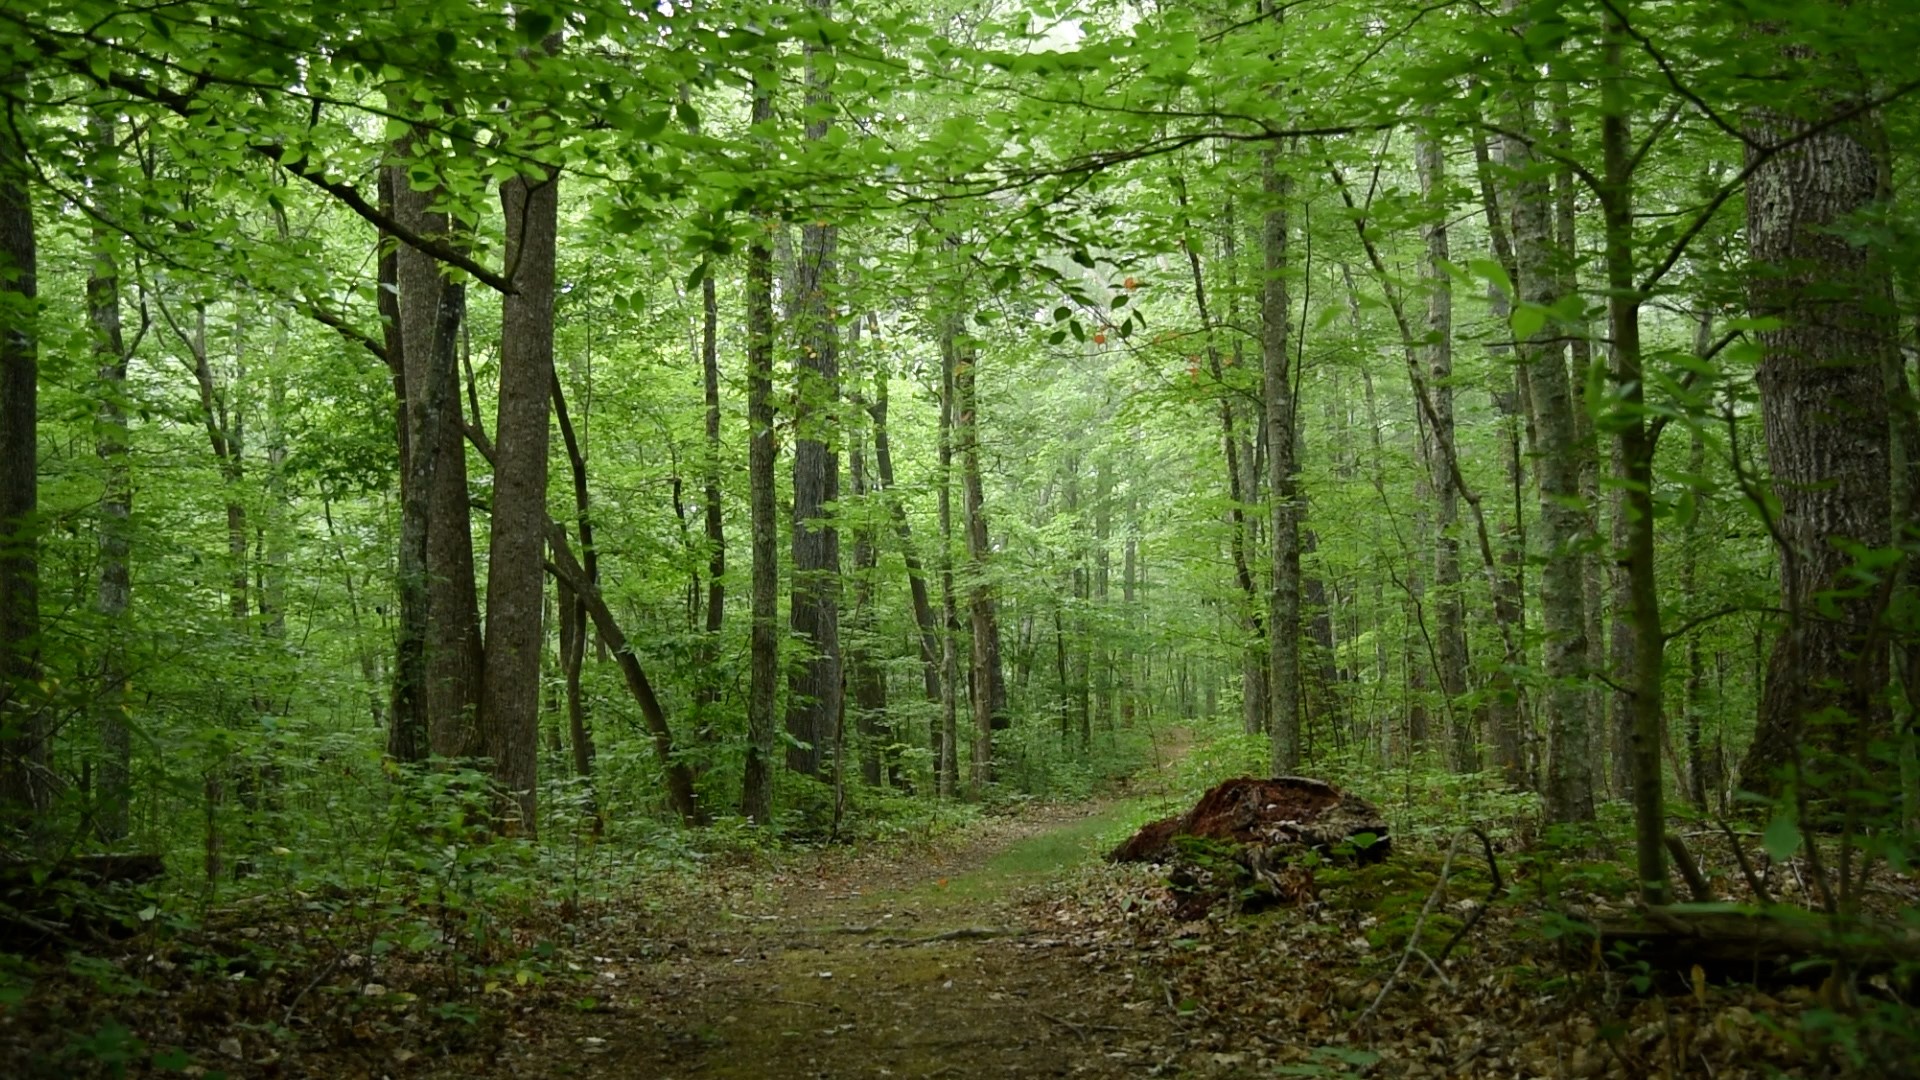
947,759
1823,399
989,696
429,330
23,752
410,736
1283,598
1099,659
815,689
1700,779
573,610
866,679
1450,644
1129,567
573,652
1415,651
510,683
1569,794
1636,449
756,798
114,791
709,688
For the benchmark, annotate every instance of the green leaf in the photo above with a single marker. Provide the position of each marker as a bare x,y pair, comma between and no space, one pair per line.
1492,271
650,125
1527,320
534,25
1782,838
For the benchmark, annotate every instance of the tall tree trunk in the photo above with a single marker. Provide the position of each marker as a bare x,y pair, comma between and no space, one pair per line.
430,404
1647,708
989,680
866,677
1569,795
814,689
1283,598
510,694
1129,612
763,666
865,680
947,759
1450,637
1823,397
1506,720
573,609
1586,402
1099,653
114,792
430,325
23,750
1253,667
1700,779
709,688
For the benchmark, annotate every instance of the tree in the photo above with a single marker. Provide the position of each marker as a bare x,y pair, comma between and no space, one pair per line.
1450,648
23,750
516,581
1827,299
815,691
756,799
1283,597
115,592
1569,786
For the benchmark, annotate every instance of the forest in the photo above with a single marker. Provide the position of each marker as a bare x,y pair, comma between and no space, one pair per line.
575,538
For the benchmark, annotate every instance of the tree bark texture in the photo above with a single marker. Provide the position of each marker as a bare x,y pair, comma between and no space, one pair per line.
430,337
947,758
23,751
1645,732
1824,402
1283,598
1450,634
510,682
114,792
573,610
763,665
815,687
989,696
1569,794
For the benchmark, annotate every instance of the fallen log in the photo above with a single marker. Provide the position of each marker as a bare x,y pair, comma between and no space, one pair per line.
42,902
1760,946
96,870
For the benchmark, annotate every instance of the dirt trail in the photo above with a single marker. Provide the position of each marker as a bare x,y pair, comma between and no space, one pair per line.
891,967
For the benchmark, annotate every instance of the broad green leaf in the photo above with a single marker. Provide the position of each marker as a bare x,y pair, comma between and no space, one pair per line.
1782,838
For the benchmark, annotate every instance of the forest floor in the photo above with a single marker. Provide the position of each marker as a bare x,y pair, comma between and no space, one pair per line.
1006,949
911,962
